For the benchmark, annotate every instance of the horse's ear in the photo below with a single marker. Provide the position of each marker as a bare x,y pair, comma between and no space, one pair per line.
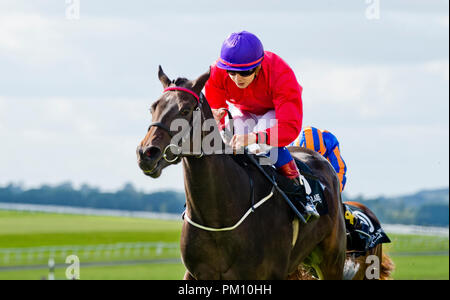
163,78
200,82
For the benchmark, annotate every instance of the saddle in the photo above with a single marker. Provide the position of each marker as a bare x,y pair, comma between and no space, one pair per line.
363,231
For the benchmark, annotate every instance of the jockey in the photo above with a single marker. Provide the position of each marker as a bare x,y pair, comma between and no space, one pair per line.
325,143
266,98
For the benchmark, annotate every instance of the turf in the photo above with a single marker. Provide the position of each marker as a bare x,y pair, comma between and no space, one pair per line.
123,272
22,229
415,257
417,244
421,267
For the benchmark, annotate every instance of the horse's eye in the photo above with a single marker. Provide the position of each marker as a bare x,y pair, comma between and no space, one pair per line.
184,112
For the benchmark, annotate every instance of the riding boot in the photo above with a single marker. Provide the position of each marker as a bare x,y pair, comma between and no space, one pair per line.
291,171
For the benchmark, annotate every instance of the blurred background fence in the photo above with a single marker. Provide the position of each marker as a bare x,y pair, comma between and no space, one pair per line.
88,253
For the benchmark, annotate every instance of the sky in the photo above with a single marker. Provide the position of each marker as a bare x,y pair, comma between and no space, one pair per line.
77,79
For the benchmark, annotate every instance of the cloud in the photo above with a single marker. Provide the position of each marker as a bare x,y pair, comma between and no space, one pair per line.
443,21
389,118
30,38
75,94
440,68
81,140
112,53
372,93
392,159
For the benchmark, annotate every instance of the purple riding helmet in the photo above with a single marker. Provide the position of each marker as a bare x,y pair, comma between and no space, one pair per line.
241,51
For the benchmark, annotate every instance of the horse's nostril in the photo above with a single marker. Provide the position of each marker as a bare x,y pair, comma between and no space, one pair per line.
152,152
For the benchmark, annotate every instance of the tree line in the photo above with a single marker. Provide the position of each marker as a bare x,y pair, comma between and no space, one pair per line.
423,208
127,198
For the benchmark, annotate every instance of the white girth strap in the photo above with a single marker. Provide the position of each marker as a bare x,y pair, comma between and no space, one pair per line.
252,209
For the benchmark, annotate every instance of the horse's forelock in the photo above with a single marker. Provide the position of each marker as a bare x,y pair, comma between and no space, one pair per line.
180,81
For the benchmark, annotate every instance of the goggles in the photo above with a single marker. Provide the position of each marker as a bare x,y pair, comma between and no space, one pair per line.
242,73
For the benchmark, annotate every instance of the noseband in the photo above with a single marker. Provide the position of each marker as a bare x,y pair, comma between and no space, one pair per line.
167,129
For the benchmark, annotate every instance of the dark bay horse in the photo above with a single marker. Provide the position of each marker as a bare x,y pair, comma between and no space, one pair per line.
270,243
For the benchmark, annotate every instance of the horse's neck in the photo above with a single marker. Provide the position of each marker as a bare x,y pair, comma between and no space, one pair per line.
212,184
215,185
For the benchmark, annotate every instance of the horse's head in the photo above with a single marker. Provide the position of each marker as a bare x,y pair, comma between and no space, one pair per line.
178,102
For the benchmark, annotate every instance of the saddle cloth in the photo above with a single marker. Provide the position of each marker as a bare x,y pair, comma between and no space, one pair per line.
313,188
363,232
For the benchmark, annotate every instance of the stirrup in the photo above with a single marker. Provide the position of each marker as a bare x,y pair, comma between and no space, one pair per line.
311,212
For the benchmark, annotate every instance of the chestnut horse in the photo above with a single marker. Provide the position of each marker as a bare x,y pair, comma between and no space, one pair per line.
266,244
386,264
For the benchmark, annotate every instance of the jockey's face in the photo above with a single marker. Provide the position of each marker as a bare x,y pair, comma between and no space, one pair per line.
243,81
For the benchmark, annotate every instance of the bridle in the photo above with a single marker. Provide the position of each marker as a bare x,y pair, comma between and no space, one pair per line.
164,127
198,108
